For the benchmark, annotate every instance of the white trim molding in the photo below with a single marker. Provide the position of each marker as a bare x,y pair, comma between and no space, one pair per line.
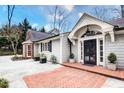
112,36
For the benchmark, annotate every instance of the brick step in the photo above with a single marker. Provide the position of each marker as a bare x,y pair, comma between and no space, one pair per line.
119,76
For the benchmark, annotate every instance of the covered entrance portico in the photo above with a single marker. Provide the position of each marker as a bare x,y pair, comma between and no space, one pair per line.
90,34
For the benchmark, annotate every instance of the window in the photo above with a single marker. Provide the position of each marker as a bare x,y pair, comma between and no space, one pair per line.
29,50
46,46
101,50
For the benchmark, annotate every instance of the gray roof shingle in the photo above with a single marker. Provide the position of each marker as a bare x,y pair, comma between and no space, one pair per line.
35,35
118,22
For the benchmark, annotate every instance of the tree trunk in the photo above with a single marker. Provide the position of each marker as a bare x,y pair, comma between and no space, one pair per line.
14,49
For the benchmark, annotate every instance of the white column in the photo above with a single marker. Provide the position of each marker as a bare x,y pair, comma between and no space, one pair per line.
61,43
112,36
79,51
39,48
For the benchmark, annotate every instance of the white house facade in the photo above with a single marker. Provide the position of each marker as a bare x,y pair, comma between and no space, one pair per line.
91,41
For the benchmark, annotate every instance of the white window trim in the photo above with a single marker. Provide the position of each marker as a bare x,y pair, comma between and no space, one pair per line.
45,46
27,49
97,37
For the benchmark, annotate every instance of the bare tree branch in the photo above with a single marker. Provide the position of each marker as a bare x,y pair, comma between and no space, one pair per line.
59,17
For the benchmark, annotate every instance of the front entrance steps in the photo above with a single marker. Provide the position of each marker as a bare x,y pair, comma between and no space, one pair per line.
118,74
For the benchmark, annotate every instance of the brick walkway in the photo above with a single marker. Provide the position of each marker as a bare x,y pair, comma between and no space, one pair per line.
65,77
118,74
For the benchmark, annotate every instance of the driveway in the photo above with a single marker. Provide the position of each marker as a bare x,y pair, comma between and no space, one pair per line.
15,70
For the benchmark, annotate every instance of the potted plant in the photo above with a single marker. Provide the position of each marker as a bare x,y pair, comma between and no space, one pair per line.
43,58
71,58
53,59
112,61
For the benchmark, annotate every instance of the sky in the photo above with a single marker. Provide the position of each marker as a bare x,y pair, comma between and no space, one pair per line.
40,16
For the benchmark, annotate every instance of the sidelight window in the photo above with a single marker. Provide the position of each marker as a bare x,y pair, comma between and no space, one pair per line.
101,50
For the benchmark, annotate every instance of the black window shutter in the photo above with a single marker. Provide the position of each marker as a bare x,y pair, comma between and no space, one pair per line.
50,46
41,47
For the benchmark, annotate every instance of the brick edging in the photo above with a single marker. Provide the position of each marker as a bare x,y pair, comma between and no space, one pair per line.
94,72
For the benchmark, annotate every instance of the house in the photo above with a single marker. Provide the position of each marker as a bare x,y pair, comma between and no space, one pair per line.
91,40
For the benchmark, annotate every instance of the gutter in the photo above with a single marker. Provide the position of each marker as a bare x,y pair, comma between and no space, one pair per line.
117,28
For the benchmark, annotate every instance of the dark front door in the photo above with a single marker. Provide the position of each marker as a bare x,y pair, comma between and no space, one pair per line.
90,52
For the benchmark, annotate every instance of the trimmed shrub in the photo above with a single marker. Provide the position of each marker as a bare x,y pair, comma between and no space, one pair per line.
42,56
53,59
112,58
71,56
16,58
4,83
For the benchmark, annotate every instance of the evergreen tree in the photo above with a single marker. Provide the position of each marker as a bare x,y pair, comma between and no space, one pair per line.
25,26
42,30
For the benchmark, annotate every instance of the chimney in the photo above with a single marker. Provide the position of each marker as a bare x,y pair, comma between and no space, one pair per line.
122,11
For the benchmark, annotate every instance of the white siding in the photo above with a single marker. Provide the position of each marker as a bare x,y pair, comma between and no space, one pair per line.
56,48
24,50
75,50
116,47
35,50
60,48
64,48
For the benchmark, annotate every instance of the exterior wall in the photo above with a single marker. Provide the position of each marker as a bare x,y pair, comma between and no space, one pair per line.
24,50
60,48
75,50
116,47
64,48
55,50
35,50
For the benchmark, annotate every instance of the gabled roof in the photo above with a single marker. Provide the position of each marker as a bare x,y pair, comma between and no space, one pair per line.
35,35
87,15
